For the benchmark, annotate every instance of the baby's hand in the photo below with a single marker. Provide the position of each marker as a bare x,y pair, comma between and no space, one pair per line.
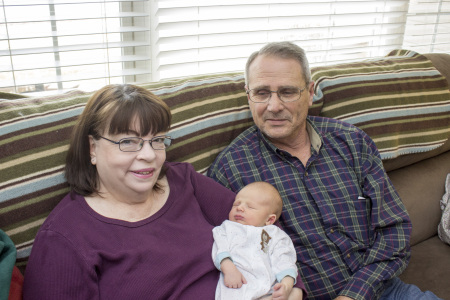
283,290
280,292
233,278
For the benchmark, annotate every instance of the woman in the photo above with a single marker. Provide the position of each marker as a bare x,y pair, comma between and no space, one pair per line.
133,226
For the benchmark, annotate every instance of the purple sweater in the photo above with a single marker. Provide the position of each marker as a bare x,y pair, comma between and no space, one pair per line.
79,254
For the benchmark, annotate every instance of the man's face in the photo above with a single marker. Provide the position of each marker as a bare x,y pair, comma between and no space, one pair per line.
281,122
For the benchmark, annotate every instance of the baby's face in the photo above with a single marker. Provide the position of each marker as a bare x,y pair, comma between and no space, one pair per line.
251,207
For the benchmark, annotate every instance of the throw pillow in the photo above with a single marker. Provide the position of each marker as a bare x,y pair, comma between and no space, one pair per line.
401,101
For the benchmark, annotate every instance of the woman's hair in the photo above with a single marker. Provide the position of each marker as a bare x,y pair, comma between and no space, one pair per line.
111,110
285,50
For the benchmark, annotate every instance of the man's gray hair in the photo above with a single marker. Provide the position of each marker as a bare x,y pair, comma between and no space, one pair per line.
286,50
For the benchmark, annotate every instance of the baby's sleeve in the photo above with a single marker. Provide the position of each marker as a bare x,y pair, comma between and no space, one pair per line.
283,257
220,249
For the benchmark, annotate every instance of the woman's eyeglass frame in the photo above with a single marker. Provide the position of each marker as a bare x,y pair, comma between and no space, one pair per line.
167,141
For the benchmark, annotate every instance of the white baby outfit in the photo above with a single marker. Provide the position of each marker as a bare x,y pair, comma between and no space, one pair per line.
264,255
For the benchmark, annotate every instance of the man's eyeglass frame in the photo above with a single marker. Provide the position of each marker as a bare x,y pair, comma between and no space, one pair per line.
300,90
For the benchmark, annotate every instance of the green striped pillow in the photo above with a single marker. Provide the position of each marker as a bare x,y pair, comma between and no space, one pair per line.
401,101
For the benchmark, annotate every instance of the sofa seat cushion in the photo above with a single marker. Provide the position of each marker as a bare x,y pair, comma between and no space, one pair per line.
429,267
421,186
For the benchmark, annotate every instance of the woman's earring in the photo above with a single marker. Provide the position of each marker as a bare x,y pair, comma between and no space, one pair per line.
93,160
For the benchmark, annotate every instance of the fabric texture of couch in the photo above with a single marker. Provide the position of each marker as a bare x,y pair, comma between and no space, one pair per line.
402,101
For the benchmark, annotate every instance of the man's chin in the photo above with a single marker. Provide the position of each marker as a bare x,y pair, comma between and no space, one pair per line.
275,133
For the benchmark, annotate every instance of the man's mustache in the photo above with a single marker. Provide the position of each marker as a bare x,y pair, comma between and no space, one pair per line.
277,116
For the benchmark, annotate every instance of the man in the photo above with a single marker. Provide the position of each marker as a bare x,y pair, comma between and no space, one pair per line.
349,227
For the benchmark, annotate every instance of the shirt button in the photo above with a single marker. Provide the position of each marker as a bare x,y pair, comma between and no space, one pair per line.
348,255
306,174
331,230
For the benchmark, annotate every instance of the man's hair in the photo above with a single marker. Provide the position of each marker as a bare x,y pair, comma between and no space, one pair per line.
285,50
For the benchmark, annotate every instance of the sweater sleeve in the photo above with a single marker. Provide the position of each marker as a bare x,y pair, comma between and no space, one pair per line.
57,270
221,249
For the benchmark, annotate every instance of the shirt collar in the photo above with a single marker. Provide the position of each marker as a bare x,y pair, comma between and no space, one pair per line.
314,136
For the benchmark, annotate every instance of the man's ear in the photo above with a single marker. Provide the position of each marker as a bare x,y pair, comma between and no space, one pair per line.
271,219
311,92
246,90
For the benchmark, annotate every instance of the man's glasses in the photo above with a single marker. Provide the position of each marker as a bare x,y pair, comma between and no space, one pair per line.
287,94
133,144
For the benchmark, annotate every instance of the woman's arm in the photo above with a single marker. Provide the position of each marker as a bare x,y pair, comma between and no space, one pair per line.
214,199
56,270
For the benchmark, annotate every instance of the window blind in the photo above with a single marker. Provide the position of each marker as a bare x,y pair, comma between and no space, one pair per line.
428,26
57,45
205,36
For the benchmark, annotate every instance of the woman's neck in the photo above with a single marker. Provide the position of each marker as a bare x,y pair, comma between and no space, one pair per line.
114,207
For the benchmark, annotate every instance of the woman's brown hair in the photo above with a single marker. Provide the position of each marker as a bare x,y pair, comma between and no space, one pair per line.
111,110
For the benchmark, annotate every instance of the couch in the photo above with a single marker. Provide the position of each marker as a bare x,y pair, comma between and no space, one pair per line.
402,101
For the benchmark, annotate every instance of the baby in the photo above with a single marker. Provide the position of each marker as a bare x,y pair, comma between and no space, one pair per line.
255,257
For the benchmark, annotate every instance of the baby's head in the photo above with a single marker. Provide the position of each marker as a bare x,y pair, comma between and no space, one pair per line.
257,204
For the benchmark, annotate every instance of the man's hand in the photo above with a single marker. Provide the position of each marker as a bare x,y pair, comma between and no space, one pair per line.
343,298
233,278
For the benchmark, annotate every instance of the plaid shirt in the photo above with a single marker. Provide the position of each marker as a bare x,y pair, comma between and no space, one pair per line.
348,224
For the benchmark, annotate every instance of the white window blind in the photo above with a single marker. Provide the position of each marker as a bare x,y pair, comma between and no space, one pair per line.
55,45
204,36
428,26
49,45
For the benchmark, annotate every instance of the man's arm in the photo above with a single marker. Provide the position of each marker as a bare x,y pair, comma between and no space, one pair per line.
388,254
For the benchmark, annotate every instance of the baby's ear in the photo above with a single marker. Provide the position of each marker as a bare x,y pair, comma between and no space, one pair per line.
271,219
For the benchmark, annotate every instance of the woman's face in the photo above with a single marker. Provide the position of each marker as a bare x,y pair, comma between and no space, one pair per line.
126,175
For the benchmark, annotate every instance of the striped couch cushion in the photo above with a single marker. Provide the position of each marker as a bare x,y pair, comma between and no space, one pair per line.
401,101
208,112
